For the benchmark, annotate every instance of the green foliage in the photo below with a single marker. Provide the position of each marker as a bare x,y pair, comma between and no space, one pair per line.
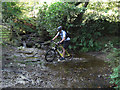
41,22
5,34
57,14
17,22
97,21
103,10
87,36
10,11
41,25
114,56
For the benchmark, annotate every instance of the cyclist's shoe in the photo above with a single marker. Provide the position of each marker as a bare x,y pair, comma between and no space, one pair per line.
61,59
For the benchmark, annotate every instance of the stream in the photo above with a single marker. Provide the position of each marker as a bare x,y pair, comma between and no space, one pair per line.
27,68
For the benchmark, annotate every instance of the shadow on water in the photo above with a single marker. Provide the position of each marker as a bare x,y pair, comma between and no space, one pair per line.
83,71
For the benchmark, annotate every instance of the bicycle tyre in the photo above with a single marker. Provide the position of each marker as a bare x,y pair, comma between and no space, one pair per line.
71,55
50,55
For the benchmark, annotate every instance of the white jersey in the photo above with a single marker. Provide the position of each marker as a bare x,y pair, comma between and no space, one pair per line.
63,34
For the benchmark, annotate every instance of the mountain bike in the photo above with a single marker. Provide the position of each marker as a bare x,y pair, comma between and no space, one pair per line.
56,52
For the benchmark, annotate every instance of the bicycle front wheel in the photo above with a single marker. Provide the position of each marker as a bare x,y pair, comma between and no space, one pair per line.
50,55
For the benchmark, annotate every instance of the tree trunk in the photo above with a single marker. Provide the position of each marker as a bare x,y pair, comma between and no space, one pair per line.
77,3
78,20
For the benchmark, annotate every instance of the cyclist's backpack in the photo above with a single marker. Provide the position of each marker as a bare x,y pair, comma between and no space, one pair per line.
68,34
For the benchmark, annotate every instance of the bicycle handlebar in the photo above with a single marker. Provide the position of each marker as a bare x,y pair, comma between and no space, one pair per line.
55,43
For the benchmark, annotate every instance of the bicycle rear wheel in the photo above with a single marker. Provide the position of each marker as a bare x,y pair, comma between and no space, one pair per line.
50,55
70,57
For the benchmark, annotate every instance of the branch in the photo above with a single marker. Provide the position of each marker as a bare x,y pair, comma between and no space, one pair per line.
77,3
79,17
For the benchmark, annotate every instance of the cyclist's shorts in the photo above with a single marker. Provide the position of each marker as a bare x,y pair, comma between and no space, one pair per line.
66,43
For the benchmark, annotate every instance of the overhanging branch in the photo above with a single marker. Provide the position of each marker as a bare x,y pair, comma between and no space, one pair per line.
79,17
77,3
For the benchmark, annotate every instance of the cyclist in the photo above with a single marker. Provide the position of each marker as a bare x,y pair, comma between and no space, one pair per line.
65,40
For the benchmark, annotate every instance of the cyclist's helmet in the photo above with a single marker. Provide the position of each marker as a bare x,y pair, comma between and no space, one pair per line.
59,28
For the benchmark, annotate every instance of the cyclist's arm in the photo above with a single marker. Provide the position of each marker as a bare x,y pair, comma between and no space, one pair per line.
64,35
56,36
62,40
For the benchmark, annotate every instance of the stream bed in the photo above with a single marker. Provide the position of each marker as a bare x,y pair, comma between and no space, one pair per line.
27,68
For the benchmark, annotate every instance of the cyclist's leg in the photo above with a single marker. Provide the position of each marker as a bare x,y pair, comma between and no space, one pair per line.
63,53
65,46
68,51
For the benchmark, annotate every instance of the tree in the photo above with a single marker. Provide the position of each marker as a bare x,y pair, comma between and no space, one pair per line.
78,20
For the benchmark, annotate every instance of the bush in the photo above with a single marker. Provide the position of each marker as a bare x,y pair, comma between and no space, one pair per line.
41,22
57,14
84,36
114,56
16,20
87,36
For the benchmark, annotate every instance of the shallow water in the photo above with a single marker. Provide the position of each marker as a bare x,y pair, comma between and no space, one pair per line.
21,69
83,71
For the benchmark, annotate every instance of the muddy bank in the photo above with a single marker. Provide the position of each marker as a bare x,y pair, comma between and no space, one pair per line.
27,68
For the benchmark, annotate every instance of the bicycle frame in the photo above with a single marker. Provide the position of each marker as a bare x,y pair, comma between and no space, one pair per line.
56,48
